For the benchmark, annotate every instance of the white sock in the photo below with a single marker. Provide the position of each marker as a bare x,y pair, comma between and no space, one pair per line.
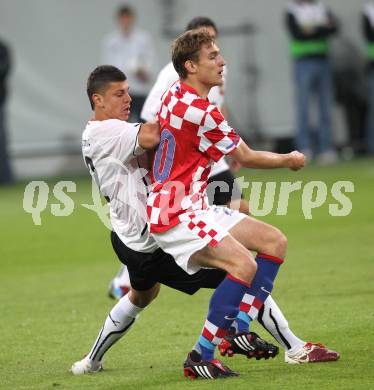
117,324
273,320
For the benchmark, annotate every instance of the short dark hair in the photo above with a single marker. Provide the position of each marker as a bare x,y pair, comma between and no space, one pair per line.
201,21
99,79
125,10
186,47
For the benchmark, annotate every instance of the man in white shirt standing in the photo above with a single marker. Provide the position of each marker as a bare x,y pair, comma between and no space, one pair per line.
131,49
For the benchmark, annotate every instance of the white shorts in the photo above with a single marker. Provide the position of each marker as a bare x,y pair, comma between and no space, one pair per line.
195,231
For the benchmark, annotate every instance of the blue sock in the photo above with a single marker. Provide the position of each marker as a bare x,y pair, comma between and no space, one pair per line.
206,348
256,295
243,320
223,309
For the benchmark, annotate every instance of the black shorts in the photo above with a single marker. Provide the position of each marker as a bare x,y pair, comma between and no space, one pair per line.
147,269
220,196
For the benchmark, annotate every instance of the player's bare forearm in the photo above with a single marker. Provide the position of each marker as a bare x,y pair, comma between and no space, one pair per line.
149,135
267,160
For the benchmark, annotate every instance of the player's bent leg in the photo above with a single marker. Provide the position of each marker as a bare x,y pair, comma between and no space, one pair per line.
260,237
230,256
203,241
117,324
222,312
238,262
270,245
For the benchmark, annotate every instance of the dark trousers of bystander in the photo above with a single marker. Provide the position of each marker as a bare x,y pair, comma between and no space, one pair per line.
6,176
370,114
313,77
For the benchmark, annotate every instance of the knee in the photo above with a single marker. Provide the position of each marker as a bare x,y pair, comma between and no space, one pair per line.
144,298
244,207
245,268
155,291
281,247
276,244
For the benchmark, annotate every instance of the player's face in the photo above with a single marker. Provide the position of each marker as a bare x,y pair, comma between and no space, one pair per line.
210,65
116,101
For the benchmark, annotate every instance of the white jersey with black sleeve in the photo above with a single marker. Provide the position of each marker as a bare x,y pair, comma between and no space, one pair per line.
117,163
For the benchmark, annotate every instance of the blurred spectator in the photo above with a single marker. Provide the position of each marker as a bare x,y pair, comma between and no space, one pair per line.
368,31
348,69
132,51
310,24
5,170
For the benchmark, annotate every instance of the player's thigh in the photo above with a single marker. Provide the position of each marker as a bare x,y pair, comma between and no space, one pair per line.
229,255
258,236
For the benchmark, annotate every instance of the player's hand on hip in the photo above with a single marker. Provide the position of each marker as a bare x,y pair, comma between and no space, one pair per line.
297,160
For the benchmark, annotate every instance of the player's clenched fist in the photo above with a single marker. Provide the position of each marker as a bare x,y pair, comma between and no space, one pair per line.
297,160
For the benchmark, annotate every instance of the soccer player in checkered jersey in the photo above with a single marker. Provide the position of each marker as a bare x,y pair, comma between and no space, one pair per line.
194,134
119,286
270,315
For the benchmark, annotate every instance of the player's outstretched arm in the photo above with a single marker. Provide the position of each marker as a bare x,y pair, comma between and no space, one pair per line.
149,135
267,160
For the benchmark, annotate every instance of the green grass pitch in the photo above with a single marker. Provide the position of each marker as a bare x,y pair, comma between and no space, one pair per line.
53,281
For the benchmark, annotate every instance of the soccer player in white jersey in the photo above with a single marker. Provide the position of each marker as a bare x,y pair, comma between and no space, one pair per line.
199,236
114,152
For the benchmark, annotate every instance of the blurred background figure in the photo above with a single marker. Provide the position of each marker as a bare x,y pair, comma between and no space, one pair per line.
310,25
348,70
5,169
368,31
131,50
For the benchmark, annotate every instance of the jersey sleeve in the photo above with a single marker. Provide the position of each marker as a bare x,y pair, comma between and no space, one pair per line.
215,137
119,140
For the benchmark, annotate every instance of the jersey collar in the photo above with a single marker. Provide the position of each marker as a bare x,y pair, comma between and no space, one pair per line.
188,88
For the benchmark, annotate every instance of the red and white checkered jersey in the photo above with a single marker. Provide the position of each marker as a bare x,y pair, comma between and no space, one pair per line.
165,79
194,134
